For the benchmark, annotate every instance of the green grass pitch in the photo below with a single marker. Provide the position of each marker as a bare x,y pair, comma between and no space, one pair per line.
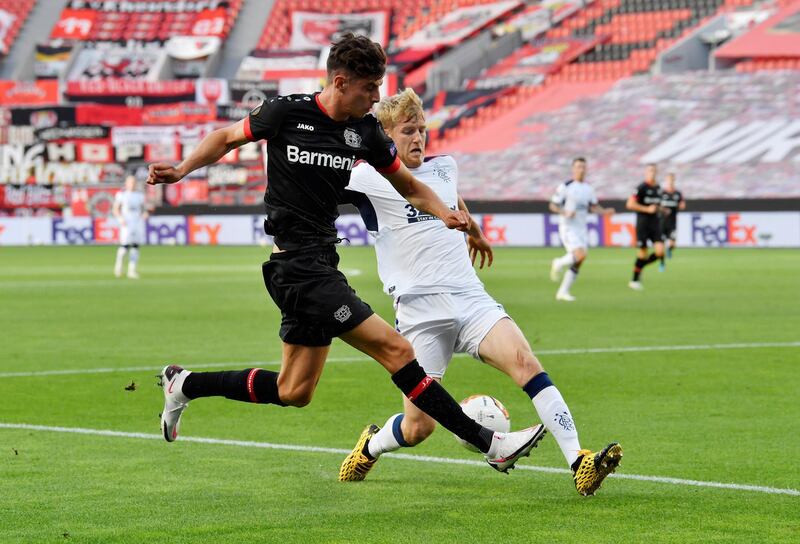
724,414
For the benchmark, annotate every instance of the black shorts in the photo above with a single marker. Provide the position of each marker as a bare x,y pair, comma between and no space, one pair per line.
647,231
669,228
315,300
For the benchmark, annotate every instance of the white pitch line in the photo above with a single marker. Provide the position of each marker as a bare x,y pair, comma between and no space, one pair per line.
355,358
402,456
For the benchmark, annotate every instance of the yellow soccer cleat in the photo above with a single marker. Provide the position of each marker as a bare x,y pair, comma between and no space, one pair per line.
356,465
590,469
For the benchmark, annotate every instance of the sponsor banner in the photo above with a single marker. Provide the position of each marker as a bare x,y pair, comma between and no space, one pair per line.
25,231
63,164
41,118
457,25
81,132
6,23
150,6
130,91
167,135
117,63
777,37
746,229
51,59
28,93
314,30
212,91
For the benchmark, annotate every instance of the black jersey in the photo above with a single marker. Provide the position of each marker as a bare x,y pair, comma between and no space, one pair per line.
647,195
310,157
671,201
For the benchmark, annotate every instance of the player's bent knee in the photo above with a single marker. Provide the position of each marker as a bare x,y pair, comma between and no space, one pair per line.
398,352
527,366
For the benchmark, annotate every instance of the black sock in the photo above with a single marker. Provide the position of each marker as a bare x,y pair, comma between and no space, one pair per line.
650,259
637,268
434,400
249,385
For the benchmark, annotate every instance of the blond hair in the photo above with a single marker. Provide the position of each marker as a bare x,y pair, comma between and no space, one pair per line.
402,107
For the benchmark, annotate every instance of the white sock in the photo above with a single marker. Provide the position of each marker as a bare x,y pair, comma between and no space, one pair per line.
555,415
567,281
387,438
133,259
121,251
565,261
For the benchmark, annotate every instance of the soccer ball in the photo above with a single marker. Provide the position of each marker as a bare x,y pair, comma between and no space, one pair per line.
489,412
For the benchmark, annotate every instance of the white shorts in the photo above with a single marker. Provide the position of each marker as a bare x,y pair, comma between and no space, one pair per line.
573,239
131,233
442,324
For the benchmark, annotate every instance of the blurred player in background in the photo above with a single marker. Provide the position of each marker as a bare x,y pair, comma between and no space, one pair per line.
442,307
646,202
129,210
671,203
573,201
313,141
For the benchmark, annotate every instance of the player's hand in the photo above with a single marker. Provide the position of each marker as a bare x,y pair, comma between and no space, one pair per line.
570,214
480,246
456,219
666,212
163,173
652,208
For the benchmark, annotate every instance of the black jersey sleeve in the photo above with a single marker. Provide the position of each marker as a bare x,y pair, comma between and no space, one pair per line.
383,153
641,193
265,120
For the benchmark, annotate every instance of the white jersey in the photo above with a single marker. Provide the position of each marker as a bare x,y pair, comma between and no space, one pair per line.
417,253
574,196
131,206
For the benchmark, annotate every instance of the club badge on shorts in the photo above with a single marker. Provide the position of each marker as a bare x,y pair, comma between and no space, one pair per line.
342,314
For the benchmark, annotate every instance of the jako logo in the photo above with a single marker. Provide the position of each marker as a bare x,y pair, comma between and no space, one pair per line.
305,127
293,154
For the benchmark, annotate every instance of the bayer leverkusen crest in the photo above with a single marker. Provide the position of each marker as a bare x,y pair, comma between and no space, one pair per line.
352,138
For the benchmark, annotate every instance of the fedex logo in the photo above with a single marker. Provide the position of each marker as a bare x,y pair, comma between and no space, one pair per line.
608,231
182,231
730,230
75,231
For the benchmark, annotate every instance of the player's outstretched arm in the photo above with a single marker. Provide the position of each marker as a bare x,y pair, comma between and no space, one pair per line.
425,200
211,149
597,208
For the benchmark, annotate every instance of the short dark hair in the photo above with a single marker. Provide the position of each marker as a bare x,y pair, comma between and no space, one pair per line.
357,55
578,159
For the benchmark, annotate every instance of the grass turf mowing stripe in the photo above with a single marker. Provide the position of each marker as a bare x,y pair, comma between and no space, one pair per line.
404,456
577,351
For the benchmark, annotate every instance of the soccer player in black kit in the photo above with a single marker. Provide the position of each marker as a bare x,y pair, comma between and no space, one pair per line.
313,141
646,202
671,203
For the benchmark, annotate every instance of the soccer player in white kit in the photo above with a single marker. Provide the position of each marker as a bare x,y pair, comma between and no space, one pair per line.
442,307
573,201
129,210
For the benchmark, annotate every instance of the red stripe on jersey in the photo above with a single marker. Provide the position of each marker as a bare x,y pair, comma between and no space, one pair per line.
250,378
248,133
391,169
420,388
320,106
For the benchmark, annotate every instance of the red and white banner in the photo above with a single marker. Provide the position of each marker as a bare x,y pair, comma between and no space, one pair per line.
117,63
458,24
777,37
28,93
313,30
274,64
6,23
210,22
120,91
74,24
